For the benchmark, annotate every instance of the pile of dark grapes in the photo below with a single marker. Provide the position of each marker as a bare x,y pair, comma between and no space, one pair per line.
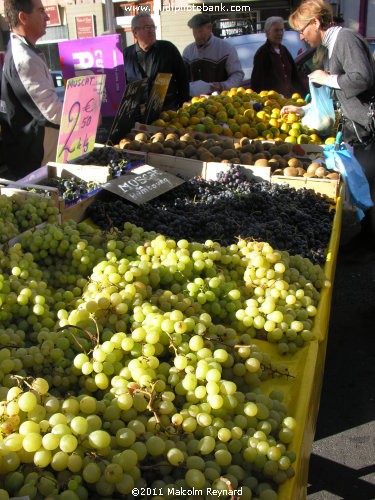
71,189
299,221
119,161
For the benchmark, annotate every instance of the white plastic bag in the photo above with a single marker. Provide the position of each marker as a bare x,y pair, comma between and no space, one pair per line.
319,113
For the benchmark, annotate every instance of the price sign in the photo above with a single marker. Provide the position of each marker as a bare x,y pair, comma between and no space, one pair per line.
80,116
125,116
157,96
143,184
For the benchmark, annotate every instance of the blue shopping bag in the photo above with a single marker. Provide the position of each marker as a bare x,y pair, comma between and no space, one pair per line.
342,160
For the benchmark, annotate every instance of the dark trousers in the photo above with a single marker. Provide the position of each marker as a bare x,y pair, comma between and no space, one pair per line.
366,157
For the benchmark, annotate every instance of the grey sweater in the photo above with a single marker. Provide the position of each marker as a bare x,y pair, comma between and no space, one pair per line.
351,60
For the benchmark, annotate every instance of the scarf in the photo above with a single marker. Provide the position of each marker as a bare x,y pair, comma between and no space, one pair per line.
329,38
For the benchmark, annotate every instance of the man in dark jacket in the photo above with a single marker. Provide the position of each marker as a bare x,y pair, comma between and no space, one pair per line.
274,67
148,57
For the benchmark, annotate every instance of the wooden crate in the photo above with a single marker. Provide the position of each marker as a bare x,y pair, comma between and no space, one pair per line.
185,167
212,169
68,211
15,188
326,187
137,158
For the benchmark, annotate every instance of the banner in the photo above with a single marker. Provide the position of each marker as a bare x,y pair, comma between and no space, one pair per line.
101,55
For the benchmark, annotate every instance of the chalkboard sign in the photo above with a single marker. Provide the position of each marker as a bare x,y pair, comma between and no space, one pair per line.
157,95
126,113
142,184
80,116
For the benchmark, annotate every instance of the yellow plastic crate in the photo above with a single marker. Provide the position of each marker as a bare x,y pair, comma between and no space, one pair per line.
306,366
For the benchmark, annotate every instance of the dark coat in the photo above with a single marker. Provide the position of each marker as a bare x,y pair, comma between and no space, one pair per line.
167,59
273,71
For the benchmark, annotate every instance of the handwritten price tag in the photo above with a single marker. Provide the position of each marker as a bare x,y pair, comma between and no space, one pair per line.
125,116
80,116
157,95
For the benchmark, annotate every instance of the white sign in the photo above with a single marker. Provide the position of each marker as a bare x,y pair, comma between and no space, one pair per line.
142,184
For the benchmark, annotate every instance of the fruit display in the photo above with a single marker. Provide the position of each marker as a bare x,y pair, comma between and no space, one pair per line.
71,189
130,360
17,214
107,156
243,113
283,158
233,206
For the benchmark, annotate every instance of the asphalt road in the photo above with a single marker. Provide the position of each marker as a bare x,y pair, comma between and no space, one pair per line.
342,464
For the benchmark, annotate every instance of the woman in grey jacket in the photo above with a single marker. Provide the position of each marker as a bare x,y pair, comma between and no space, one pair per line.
349,70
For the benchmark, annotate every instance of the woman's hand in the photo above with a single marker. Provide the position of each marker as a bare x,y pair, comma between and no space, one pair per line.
290,108
318,76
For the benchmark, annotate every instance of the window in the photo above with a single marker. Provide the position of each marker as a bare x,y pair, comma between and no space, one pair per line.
236,24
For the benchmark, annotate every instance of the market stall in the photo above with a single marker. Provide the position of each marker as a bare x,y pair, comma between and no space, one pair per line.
141,362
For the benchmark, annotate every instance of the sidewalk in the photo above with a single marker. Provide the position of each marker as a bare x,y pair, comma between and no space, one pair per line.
342,464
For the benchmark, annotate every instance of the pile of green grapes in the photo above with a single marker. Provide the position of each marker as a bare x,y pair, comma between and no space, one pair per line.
129,365
17,215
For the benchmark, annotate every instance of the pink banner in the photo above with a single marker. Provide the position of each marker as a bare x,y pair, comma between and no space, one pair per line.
101,55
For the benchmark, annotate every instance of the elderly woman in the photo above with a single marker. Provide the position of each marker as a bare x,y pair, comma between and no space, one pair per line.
274,67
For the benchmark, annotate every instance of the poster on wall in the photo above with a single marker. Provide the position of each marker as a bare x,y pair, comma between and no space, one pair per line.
101,55
53,13
85,26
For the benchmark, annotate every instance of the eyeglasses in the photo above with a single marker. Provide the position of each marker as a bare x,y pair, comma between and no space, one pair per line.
147,27
303,29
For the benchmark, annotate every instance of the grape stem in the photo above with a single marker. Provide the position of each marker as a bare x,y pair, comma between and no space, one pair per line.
152,396
276,371
22,380
153,466
172,346
88,333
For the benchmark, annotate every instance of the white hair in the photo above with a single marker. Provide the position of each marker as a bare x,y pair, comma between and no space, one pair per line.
272,20
135,21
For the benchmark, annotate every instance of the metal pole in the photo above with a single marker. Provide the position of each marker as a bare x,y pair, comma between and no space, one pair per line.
109,17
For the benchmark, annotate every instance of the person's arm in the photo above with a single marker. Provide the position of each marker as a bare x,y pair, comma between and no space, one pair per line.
291,108
257,75
185,58
234,71
180,74
38,84
358,70
298,82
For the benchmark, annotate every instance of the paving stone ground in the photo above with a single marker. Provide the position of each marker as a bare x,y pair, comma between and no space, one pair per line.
342,464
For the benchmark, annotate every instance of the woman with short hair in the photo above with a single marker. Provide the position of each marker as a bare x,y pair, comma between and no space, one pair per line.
274,67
